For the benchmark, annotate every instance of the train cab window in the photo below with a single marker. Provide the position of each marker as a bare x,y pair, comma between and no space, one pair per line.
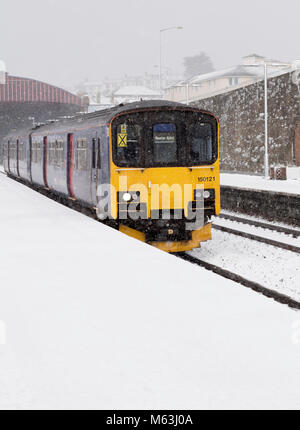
164,143
129,144
200,138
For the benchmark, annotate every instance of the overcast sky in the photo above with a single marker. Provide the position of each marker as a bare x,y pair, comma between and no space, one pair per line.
64,42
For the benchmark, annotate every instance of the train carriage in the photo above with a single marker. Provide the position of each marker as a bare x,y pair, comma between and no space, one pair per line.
148,168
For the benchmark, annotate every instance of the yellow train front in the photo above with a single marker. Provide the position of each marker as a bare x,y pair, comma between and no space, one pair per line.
164,174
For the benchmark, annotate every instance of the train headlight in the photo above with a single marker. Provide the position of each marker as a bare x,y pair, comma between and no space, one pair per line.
198,194
126,197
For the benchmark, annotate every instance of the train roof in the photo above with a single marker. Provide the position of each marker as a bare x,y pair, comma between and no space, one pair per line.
105,116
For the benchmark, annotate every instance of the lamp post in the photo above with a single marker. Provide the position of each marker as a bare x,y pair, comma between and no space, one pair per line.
266,64
188,86
162,30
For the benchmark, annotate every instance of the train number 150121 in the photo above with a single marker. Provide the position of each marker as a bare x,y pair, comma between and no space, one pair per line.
206,179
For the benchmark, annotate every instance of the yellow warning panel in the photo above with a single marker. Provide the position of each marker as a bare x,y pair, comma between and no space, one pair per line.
122,140
123,128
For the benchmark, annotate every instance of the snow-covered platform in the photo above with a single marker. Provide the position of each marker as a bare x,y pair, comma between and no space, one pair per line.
259,183
91,318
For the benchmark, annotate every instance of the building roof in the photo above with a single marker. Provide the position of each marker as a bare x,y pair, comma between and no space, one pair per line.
2,66
251,71
253,55
236,71
24,90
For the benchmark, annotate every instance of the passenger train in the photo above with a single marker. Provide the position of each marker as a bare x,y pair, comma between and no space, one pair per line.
149,169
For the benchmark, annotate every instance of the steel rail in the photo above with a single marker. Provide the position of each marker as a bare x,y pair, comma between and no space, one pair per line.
278,297
261,239
279,229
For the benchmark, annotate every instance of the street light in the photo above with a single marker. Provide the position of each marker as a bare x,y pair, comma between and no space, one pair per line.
188,86
160,53
266,64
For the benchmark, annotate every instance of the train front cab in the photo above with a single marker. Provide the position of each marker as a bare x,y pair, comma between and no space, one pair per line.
153,151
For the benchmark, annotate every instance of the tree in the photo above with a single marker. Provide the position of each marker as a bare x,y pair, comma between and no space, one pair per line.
197,65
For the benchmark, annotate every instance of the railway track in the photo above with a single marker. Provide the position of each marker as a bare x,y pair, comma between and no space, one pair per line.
256,223
278,297
257,238
233,276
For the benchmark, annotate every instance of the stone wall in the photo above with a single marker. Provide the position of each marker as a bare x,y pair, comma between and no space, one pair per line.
272,206
241,114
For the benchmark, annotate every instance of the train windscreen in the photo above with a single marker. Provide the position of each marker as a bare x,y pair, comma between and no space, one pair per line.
165,138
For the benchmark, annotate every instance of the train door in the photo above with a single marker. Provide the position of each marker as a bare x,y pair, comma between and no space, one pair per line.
96,166
70,164
18,157
45,160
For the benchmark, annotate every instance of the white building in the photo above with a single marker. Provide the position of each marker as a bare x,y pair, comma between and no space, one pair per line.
108,92
209,84
102,103
134,93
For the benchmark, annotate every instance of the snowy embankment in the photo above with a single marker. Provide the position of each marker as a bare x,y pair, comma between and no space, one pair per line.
259,183
95,319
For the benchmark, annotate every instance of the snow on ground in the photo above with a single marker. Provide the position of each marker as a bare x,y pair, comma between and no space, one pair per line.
259,183
271,267
95,319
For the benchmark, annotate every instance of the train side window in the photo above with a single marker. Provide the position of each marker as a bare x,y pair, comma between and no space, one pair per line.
93,153
99,154
56,154
33,152
81,154
59,153
21,151
51,146
39,151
